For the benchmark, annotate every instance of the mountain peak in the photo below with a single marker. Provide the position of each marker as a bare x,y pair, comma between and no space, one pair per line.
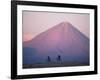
64,24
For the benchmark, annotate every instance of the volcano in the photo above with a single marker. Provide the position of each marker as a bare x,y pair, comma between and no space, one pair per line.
62,43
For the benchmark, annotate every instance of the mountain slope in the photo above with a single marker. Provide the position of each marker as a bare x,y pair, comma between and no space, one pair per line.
62,40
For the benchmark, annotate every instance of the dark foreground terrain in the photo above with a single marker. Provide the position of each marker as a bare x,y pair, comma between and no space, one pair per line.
54,64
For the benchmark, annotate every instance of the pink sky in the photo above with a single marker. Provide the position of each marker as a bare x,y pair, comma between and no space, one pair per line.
35,23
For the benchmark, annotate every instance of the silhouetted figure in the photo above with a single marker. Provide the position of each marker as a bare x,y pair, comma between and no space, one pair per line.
49,59
59,58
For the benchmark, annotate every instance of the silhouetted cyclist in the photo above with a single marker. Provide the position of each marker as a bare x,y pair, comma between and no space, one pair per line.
49,59
59,58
